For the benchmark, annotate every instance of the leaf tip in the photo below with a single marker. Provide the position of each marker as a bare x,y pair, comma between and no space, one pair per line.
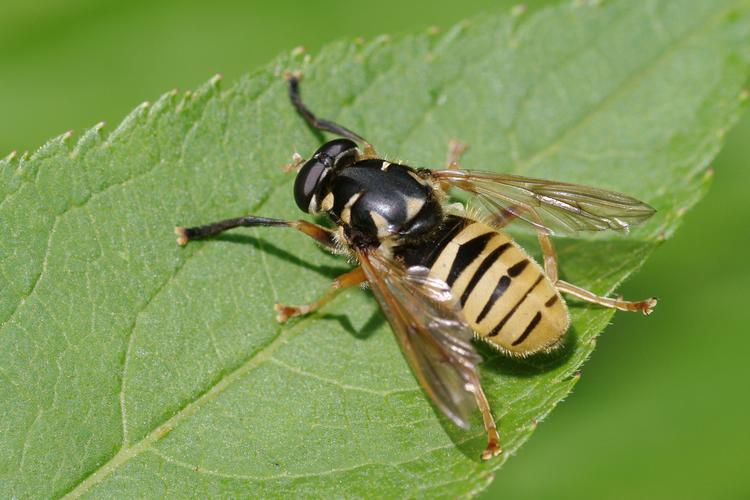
52,146
9,160
587,3
128,123
381,40
88,139
164,103
215,80
519,10
199,98
182,105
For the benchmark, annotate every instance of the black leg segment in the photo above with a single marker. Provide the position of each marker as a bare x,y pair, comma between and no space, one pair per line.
314,121
320,234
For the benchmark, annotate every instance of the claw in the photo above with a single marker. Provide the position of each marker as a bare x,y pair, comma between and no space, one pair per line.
294,165
647,306
286,312
493,449
292,75
283,315
182,237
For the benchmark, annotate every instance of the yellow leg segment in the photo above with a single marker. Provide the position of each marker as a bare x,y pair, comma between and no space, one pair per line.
346,280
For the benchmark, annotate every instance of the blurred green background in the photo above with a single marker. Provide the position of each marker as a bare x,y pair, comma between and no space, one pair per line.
661,409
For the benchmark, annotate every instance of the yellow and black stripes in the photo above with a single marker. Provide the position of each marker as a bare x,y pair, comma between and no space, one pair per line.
502,284
504,294
467,254
513,310
486,264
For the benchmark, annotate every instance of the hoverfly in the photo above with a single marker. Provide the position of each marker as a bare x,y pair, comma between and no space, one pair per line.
440,275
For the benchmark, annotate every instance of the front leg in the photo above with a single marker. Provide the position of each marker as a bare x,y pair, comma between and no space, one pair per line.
320,234
320,123
294,165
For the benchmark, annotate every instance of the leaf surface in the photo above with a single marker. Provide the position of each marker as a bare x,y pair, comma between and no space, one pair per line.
131,367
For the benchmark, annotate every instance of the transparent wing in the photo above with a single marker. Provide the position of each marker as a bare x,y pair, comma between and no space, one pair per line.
553,207
433,336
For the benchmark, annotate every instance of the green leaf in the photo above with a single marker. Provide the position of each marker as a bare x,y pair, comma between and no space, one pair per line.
131,367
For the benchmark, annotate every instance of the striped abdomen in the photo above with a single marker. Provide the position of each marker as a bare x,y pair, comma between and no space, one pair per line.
505,295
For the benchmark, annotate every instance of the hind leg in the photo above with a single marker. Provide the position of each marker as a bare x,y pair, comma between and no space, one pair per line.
644,306
493,437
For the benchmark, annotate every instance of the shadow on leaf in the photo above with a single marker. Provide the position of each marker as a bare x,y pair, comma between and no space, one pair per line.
514,367
375,321
532,365
264,246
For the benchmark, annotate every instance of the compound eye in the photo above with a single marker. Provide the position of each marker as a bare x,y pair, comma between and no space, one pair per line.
307,181
342,152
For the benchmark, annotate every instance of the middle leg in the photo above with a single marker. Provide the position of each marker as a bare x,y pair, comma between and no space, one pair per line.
346,280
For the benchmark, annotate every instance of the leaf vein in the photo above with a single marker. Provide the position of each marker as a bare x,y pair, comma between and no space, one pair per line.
629,84
303,373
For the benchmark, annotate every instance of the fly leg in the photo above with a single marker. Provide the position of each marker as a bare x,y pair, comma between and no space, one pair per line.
346,280
294,165
549,255
321,124
493,438
550,269
320,234
456,150
506,216
644,306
